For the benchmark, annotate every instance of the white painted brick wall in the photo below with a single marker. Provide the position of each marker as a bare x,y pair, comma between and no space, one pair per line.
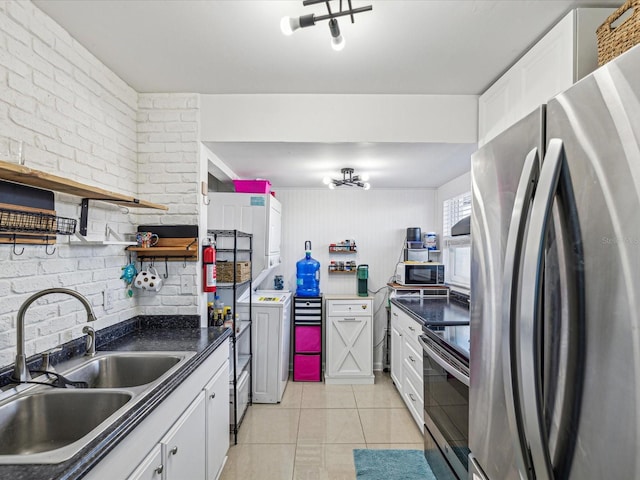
168,173
77,119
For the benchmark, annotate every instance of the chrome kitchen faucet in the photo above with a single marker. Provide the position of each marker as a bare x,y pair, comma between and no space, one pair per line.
20,370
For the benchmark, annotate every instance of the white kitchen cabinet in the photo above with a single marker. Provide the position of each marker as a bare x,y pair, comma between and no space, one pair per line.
563,56
349,340
181,421
151,467
258,214
183,448
407,362
217,421
396,352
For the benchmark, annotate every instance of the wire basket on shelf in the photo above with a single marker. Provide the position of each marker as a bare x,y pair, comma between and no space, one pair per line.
615,40
35,222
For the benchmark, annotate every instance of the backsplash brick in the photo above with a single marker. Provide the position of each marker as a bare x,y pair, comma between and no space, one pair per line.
77,119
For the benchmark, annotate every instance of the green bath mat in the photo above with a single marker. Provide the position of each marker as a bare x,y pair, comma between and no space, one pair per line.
391,465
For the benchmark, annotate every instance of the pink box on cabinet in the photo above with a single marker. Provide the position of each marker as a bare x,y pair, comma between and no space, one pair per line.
306,368
252,186
308,339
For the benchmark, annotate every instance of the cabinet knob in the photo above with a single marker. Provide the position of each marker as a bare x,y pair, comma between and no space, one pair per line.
174,450
413,360
212,396
411,328
159,469
413,399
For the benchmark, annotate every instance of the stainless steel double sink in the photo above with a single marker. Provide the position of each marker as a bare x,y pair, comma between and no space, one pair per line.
42,424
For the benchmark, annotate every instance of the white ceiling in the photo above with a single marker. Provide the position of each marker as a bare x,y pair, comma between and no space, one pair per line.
235,46
389,165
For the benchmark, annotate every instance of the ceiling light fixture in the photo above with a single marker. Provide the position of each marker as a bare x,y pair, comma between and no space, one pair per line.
348,179
288,25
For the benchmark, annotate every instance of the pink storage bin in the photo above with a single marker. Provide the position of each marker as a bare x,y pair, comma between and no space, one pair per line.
306,368
308,339
252,186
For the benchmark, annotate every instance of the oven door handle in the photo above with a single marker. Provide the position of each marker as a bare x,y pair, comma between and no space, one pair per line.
445,365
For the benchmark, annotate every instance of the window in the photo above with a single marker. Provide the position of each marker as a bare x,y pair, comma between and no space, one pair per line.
453,210
457,258
456,250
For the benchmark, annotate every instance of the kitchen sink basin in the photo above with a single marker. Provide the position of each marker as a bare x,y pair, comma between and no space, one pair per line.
51,419
43,424
123,370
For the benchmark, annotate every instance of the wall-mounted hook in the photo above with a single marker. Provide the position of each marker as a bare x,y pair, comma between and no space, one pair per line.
46,250
166,267
15,252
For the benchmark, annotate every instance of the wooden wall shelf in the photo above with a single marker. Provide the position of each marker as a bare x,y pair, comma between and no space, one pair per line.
170,248
36,178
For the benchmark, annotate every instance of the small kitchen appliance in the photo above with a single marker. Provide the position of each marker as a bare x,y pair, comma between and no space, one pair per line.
363,283
419,273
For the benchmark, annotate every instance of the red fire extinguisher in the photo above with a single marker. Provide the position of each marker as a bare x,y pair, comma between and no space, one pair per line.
209,268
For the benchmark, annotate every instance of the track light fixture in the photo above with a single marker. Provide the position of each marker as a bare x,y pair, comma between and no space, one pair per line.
288,25
348,179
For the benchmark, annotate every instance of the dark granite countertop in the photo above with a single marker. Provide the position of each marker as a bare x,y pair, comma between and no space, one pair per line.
434,311
148,333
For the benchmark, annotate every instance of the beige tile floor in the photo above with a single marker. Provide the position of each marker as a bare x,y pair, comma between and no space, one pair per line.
311,434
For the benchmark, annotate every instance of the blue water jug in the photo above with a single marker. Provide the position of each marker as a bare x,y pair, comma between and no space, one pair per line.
308,274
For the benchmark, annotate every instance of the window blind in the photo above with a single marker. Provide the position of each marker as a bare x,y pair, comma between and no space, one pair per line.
453,210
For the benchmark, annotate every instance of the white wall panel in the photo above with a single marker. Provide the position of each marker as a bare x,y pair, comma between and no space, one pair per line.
376,219
340,118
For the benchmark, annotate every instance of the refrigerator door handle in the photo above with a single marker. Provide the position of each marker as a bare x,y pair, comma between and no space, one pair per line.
530,309
510,350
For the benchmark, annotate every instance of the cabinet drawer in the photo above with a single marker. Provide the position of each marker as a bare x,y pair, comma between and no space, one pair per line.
412,358
359,308
307,368
308,339
307,309
412,397
412,330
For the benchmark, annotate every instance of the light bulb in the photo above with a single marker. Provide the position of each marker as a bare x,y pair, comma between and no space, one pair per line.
288,25
364,177
367,186
337,43
332,186
326,180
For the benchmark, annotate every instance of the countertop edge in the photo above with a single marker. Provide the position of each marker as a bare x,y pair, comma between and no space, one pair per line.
86,459
140,412
411,314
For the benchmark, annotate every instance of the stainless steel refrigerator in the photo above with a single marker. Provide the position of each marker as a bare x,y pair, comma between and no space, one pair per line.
555,282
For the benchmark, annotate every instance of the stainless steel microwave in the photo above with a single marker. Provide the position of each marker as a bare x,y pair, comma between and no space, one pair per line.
418,273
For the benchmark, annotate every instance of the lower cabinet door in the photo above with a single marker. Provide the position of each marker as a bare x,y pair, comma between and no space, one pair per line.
396,354
217,417
184,445
151,467
349,347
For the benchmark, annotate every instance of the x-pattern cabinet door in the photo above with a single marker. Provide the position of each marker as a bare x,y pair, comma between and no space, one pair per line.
349,341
